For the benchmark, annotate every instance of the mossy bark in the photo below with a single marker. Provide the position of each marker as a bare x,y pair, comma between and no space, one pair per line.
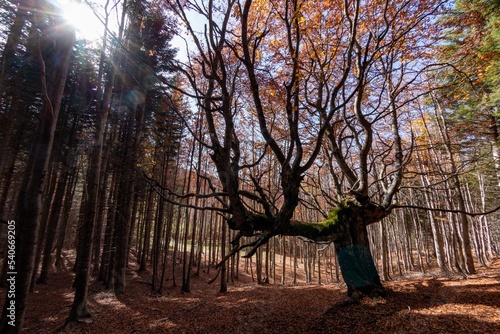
355,259
345,226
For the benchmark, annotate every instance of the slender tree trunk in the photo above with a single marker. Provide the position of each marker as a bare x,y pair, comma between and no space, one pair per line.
52,227
30,196
84,249
186,262
158,230
223,281
124,206
201,244
47,203
168,233
258,266
70,191
436,231
495,142
104,275
283,259
484,219
102,206
295,264
464,222
147,232
86,230
384,252
63,182
13,126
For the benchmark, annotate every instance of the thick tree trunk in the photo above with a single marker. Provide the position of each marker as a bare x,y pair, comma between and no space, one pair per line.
356,261
346,227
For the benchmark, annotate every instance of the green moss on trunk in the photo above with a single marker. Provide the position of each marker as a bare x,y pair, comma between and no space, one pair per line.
330,229
345,226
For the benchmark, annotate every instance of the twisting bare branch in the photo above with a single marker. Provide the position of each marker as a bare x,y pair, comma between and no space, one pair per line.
159,189
447,210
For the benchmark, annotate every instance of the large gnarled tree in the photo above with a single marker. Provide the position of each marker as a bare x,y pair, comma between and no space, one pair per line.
295,83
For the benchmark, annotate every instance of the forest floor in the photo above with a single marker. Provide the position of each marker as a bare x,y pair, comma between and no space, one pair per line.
427,303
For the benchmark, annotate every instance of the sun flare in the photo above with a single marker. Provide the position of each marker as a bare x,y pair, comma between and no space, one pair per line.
81,16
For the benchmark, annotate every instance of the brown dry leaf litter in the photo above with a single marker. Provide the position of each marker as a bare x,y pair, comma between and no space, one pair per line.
417,305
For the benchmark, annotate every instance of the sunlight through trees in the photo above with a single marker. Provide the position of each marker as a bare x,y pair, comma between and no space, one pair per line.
352,142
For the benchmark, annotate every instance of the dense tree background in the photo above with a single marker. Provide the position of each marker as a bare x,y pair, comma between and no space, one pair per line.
371,128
